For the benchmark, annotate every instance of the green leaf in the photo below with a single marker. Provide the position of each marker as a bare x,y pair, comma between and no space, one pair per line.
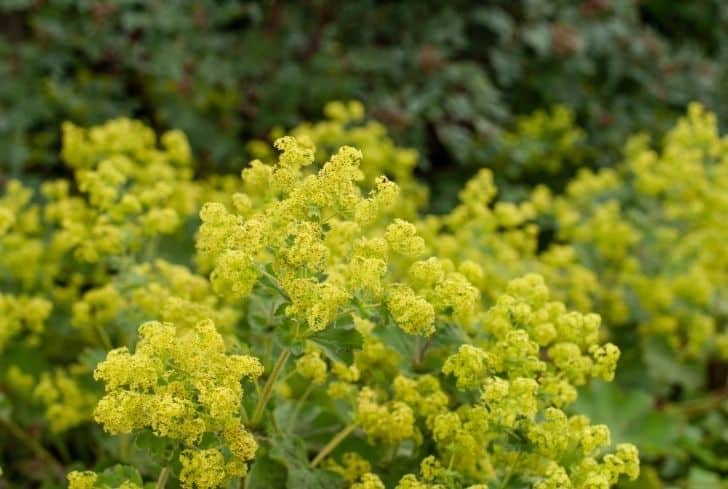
630,417
285,336
665,368
265,473
90,357
5,407
160,448
394,337
702,479
302,477
118,474
264,310
291,452
339,341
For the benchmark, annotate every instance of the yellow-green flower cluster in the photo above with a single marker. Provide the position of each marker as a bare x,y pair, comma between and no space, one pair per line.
82,249
490,242
345,125
389,422
328,251
91,480
445,360
352,466
674,266
22,315
67,243
324,244
67,401
182,385
543,142
21,243
432,476
312,367
110,479
174,294
133,189
527,367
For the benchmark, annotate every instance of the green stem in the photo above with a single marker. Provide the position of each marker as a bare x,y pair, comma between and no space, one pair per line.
391,452
65,456
421,353
163,476
268,388
104,336
124,447
509,474
299,404
340,436
33,445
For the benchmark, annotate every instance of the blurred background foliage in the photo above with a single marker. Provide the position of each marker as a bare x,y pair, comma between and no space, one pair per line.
452,79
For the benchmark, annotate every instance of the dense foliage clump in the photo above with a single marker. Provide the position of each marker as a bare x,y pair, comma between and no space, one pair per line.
449,78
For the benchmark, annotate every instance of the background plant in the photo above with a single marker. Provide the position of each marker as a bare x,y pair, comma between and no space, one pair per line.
448,85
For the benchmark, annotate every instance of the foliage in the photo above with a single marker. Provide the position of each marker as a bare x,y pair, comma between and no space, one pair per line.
450,84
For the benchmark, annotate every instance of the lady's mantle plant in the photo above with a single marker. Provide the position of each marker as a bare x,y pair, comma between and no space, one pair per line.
383,366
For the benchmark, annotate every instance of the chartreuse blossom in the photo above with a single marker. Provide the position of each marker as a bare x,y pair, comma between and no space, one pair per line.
352,467
490,242
132,189
67,400
312,367
542,142
79,268
174,294
329,252
22,315
389,422
675,267
323,243
368,481
91,480
345,125
81,480
183,386
405,335
524,379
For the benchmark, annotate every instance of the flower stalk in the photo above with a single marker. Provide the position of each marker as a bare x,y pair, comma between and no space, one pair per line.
331,445
268,388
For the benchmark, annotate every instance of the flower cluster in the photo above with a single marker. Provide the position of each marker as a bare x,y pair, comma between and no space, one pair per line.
345,125
317,238
491,242
682,192
86,251
331,255
68,402
182,385
132,189
424,341
543,142
22,315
